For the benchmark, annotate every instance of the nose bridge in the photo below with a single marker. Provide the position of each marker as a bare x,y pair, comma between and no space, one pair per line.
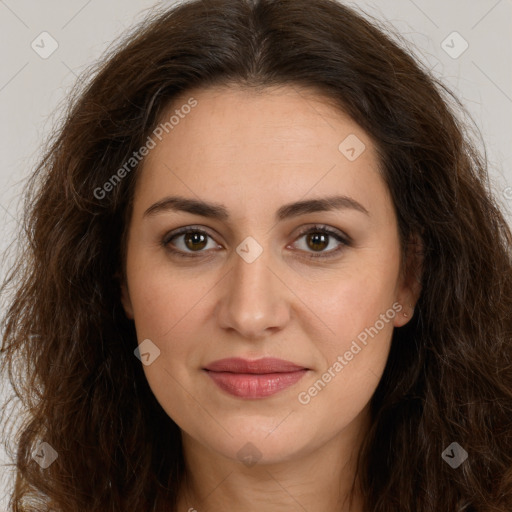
253,300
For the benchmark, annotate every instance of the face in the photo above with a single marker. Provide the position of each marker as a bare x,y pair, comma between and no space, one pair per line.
318,284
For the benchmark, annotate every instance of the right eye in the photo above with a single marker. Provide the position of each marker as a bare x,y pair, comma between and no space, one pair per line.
191,240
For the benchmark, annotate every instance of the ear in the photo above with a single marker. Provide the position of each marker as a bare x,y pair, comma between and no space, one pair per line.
409,287
125,295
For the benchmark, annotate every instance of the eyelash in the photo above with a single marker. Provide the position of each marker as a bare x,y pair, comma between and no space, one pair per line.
317,229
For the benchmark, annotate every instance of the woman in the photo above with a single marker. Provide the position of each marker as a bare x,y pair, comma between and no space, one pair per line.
340,341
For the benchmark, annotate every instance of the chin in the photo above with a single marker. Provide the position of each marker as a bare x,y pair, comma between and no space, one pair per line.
250,448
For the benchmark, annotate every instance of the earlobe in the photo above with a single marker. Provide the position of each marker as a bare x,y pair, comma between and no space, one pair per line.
405,314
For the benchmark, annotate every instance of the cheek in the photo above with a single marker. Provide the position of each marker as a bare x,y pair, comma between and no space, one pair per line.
353,357
358,309
167,310
164,299
354,299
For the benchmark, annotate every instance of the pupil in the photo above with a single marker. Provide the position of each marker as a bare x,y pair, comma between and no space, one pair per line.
319,239
194,239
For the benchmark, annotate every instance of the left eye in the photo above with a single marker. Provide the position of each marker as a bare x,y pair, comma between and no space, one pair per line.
194,240
319,238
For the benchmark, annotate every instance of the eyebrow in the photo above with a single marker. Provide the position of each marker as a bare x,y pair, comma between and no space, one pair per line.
219,212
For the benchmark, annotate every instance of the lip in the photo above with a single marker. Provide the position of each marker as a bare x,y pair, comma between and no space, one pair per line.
260,366
254,379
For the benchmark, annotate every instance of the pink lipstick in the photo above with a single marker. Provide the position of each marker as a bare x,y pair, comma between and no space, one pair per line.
254,379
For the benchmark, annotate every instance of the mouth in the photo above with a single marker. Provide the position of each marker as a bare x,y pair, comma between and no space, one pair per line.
254,379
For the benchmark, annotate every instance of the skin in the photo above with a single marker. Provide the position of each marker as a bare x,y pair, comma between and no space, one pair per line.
253,153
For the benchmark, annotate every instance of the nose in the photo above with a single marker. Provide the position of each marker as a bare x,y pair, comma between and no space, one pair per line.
255,300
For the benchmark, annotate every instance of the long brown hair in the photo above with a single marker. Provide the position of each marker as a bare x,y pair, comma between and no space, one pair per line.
449,373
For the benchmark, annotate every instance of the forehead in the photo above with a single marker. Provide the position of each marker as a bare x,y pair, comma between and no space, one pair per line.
284,139
286,114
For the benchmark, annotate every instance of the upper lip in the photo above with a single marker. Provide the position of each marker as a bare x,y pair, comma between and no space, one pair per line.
263,365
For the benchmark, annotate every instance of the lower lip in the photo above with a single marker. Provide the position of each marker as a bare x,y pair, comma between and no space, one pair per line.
252,385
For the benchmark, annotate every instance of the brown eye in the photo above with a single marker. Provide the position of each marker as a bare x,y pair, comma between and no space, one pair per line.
317,241
187,241
318,238
195,240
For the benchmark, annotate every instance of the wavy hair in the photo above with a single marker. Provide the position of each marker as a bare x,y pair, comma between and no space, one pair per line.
448,377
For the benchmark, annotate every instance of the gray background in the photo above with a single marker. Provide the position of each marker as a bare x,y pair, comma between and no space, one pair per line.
32,89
